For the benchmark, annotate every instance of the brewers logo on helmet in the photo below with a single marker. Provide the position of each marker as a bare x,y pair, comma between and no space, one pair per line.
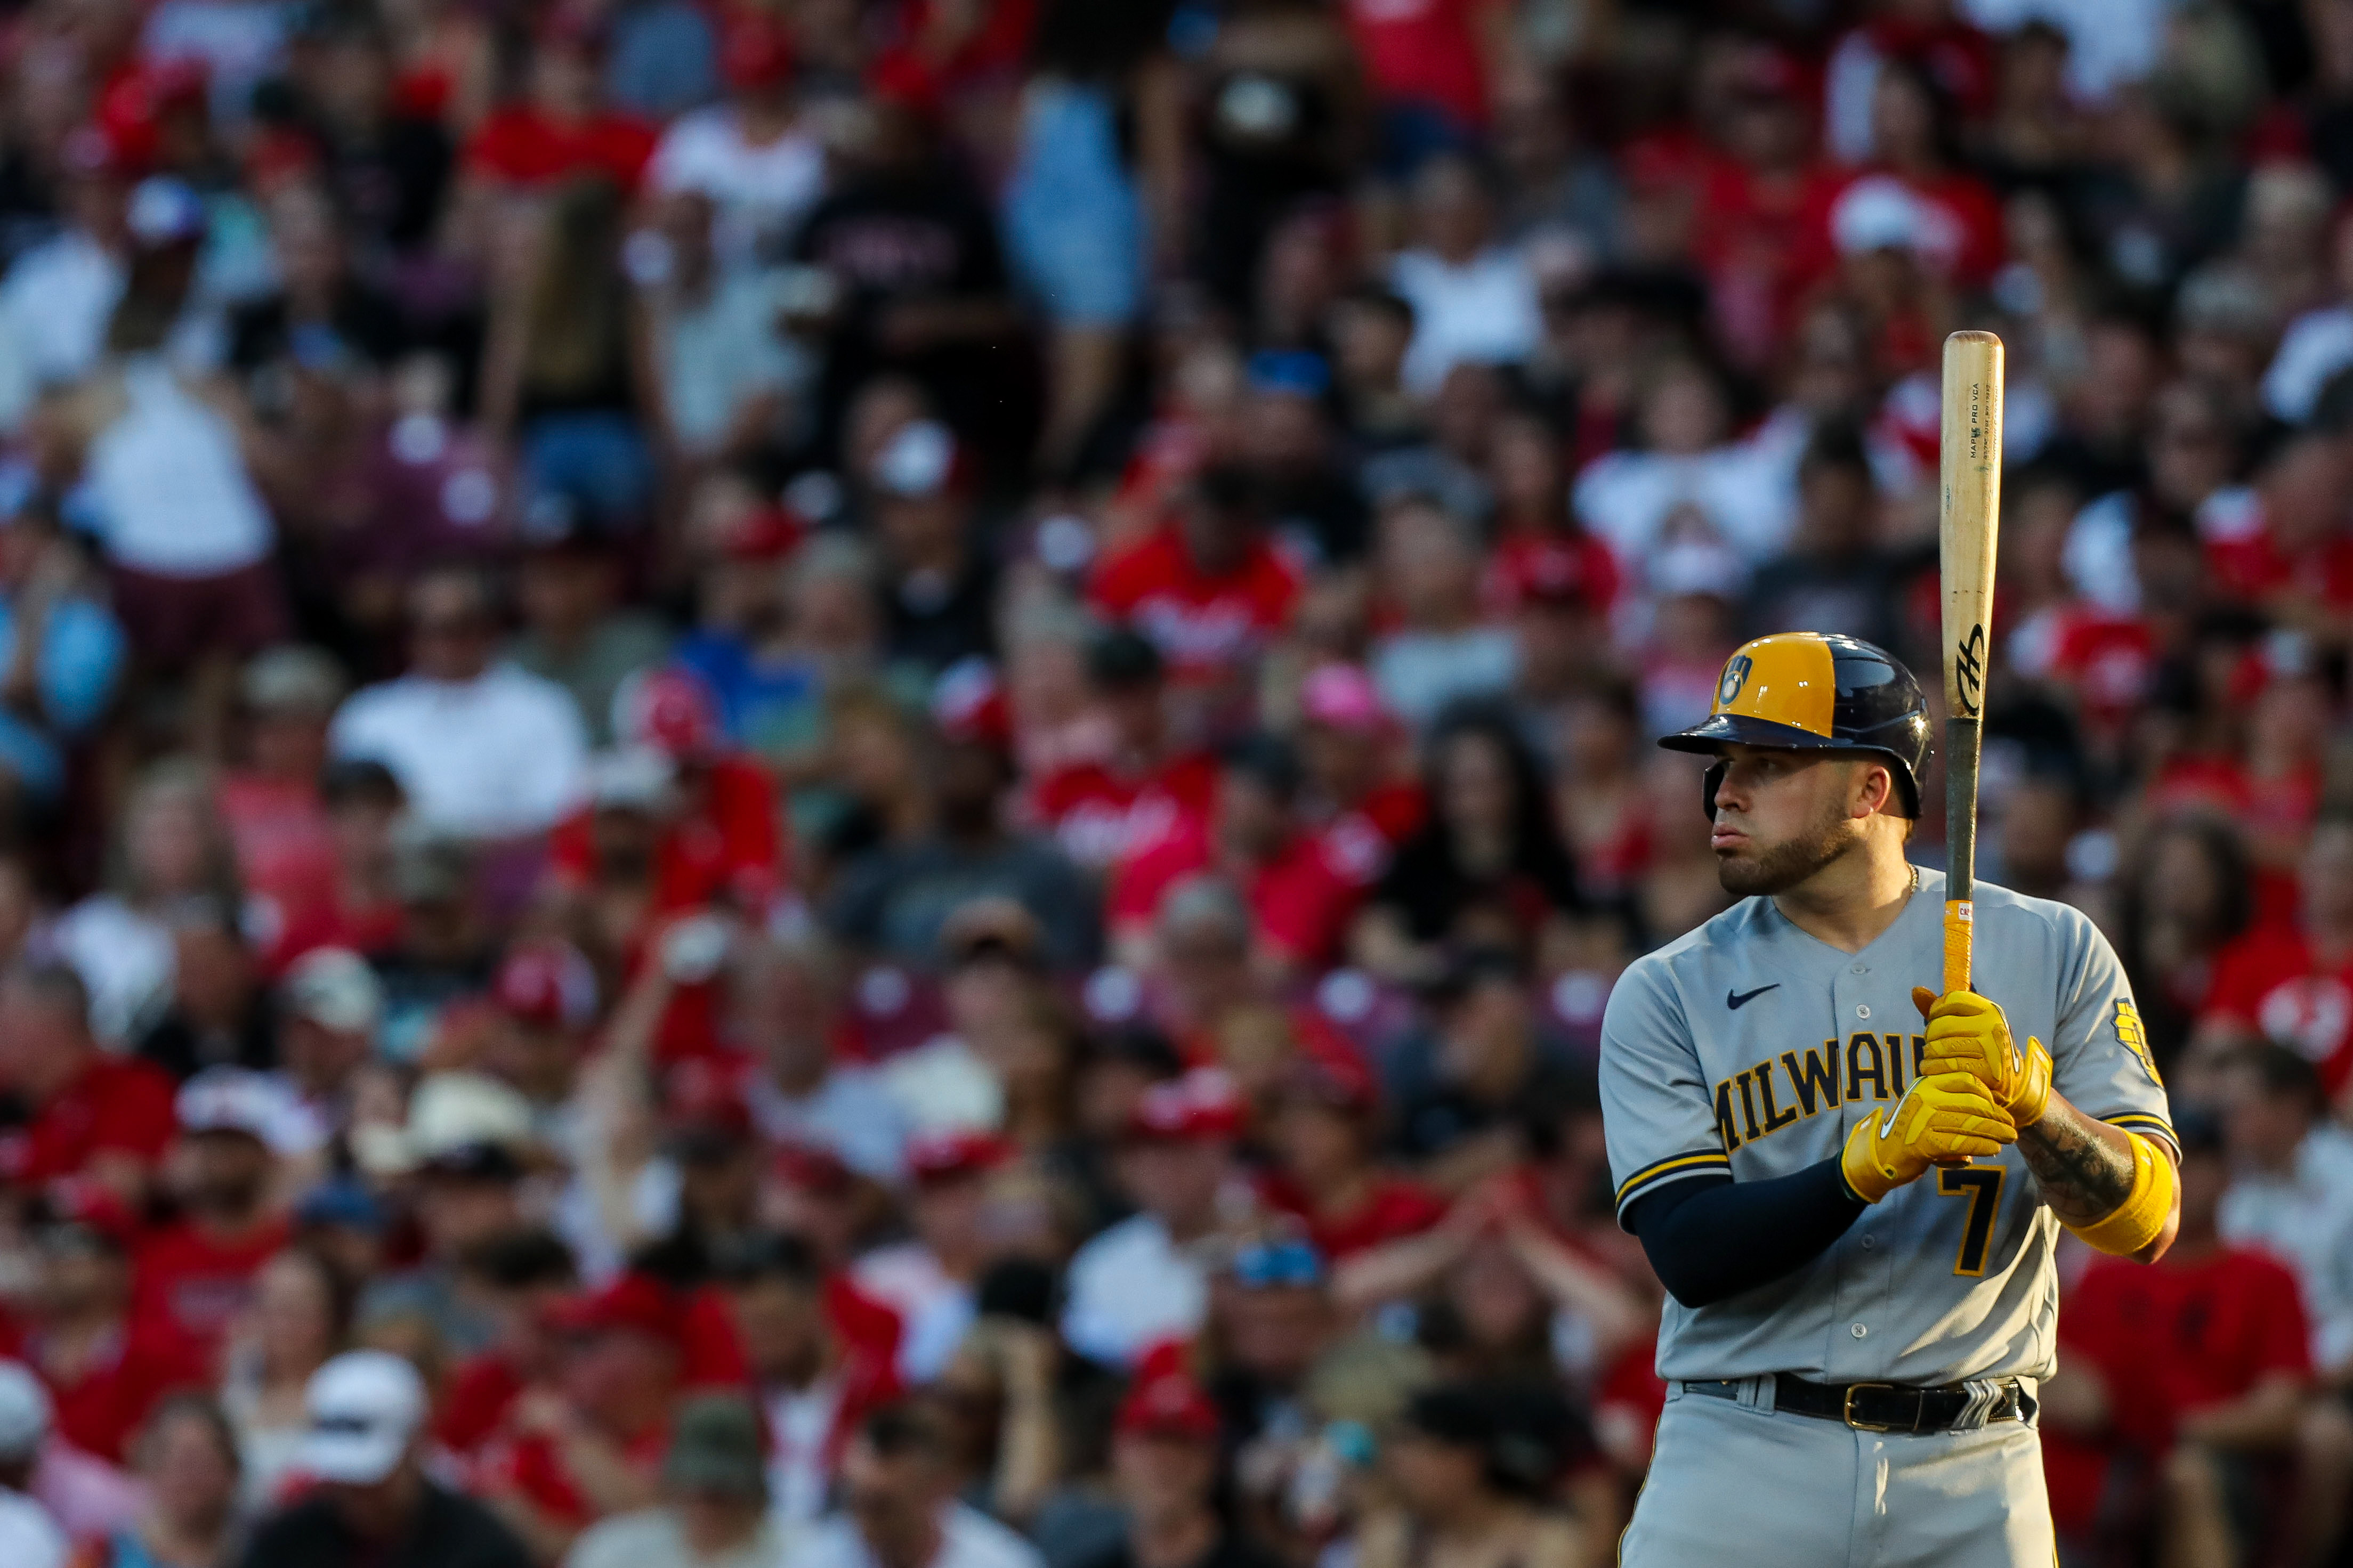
1816,691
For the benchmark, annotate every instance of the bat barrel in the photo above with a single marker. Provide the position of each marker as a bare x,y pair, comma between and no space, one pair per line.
1970,505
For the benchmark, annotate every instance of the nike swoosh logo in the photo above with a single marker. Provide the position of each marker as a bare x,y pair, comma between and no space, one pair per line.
1736,1000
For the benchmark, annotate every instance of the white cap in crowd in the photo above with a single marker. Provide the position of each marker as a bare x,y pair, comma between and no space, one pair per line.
238,1099
365,1408
334,988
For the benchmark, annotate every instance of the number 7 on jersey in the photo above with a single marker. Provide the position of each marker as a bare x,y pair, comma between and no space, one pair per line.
1982,1185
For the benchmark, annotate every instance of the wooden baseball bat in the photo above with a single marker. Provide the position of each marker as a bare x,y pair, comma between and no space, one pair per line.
1969,520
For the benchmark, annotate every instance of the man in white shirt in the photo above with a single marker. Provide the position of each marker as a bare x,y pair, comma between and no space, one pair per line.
729,375
899,1508
751,155
2292,1189
483,750
1143,1281
1471,299
781,1008
55,302
930,1278
29,1537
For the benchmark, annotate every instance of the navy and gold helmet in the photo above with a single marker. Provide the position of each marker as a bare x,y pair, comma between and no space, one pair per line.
1816,691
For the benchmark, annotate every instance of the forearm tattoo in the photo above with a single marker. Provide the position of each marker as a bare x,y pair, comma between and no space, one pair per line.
2085,1167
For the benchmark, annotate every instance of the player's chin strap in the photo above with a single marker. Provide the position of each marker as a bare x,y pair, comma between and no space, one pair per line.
2141,1217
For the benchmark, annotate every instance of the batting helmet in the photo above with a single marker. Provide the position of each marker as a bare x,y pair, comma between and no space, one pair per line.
1816,691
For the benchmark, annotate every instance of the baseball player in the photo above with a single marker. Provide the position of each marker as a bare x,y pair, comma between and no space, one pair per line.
1852,1187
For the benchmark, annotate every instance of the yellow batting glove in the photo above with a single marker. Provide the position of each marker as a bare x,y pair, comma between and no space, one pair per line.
1970,1033
1945,1118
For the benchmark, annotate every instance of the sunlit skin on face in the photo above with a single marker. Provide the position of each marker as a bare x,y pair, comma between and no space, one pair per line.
1783,816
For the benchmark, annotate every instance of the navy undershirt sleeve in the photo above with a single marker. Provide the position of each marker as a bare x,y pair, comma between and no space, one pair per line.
1711,1238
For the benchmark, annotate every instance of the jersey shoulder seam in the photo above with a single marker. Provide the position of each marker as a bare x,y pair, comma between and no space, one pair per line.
1734,922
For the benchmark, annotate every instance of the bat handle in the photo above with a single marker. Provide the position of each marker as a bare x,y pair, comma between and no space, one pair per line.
1963,739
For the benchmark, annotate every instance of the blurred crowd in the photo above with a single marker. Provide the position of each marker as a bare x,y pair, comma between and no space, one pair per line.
850,783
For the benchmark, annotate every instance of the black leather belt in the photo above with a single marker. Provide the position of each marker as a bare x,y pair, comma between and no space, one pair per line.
1889,1407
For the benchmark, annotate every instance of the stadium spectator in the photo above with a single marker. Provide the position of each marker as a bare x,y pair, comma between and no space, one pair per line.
481,749
1252,838
2295,985
817,1383
104,1368
1488,865
187,1456
1465,1454
198,1274
714,1509
2292,1192
1165,1464
2198,1365
296,1318
1140,1282
897,1508
94,1114
367,1421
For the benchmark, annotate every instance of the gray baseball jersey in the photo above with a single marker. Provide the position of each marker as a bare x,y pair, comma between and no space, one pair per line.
1748,1047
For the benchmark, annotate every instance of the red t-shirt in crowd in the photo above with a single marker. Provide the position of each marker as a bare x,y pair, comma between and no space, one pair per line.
1100,815
1751,237
1205,625
195,1283
2264,807
2272,981
474,1406
1358,843
871,1328
484,1387
365,929
532,1466
1559,562
2075,1475
730,845
2244,561
1395,1209
102,1409
2109,661
1424,52
285,842
1300,902
1965,239
115,1105
523,145
1632,1395
2181,1335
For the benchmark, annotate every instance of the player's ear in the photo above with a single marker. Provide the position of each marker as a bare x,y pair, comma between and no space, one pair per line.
1874,790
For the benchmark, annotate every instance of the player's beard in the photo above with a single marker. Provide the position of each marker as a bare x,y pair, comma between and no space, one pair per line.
1785,865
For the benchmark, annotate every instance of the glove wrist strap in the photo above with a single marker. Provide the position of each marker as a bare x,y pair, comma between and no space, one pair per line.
2141,1217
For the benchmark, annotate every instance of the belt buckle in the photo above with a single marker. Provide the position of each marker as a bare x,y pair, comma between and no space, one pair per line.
1846,1410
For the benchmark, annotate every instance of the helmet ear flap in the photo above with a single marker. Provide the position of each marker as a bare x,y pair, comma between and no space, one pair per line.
1709,783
